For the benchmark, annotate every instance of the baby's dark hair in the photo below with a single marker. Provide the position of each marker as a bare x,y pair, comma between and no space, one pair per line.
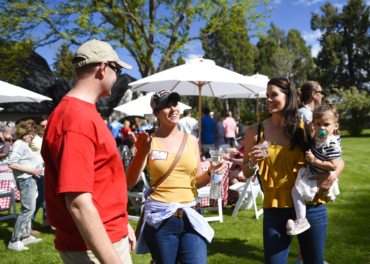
322,110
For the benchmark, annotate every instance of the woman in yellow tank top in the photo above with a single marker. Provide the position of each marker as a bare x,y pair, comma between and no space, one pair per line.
174,229
277,174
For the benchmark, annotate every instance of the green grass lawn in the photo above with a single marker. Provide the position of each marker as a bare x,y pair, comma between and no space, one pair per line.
239,240
365,132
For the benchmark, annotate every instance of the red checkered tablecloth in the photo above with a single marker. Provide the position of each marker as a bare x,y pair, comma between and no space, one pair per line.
205,202
5,185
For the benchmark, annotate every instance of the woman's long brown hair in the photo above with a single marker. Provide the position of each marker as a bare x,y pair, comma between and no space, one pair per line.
292,121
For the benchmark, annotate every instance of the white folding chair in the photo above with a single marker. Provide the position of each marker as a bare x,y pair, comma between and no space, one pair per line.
6,194
205,192
249,190
140,195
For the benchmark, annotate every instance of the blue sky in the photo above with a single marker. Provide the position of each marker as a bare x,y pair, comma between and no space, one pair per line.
288,14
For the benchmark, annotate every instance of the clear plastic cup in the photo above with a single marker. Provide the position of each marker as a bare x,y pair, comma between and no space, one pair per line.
264,149
216,156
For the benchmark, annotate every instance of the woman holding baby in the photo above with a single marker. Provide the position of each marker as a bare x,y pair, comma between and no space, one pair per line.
277,174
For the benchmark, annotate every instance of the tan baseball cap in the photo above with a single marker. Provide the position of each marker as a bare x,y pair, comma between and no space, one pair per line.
95,51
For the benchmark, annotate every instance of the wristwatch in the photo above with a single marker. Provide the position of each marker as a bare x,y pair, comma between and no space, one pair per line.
230,158
250,166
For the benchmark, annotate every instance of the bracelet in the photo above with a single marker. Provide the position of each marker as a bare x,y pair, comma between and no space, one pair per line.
250,165
209,174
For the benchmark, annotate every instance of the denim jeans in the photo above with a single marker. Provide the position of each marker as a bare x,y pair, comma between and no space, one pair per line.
176,241
40,200
27,189
277,243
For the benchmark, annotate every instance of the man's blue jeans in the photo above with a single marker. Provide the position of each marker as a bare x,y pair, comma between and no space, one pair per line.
40,200
277,242
176,241
22,228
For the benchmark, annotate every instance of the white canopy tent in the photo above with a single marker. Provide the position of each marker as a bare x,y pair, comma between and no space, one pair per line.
141,106
10,93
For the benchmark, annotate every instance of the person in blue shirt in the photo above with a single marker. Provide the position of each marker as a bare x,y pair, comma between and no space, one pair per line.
115,128
144,126
207,134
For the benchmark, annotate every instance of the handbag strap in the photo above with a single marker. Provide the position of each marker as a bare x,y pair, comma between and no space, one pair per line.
173,165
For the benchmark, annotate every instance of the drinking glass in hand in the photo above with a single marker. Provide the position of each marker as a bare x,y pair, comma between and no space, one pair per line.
265,150
216,156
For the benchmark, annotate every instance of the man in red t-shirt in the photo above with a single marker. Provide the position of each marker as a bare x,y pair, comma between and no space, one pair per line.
85,183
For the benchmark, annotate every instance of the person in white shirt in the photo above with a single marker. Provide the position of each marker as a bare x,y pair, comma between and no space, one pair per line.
188,125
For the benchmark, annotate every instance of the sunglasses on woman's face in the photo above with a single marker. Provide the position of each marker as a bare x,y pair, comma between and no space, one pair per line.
319,91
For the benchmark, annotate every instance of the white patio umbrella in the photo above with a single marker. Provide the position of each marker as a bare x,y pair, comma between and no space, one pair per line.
258,80
244,95
141,106
10,93
198,74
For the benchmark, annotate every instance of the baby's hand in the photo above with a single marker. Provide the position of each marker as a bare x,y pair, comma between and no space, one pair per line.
309,156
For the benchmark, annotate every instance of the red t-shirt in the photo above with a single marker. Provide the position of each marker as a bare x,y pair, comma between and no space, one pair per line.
80,155
125,131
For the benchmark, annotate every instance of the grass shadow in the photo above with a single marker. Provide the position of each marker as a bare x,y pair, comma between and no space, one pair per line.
235,248
6,228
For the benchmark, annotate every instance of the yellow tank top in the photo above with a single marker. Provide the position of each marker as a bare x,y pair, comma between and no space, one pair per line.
278,173
180,185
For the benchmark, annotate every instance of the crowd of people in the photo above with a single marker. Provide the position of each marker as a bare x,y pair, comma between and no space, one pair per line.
71,158
26,162
215,131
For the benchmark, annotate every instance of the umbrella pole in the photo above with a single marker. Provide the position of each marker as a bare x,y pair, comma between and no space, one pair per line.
258,109
199,117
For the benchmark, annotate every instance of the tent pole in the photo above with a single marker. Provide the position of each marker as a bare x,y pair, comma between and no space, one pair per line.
258,109
199,117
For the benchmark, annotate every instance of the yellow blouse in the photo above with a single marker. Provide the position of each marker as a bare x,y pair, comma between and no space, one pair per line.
278,173
180,185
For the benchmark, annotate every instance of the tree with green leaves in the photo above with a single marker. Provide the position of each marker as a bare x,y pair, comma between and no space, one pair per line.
344,59
266,48
180,60
354,105
12,65
281,54
63,68
282,61
146,28
227,48
230,49
277,34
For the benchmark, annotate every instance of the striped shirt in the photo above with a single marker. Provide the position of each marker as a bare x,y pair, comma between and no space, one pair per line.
325,152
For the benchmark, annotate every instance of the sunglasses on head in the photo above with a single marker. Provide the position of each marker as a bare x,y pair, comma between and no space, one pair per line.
118,71
284,77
